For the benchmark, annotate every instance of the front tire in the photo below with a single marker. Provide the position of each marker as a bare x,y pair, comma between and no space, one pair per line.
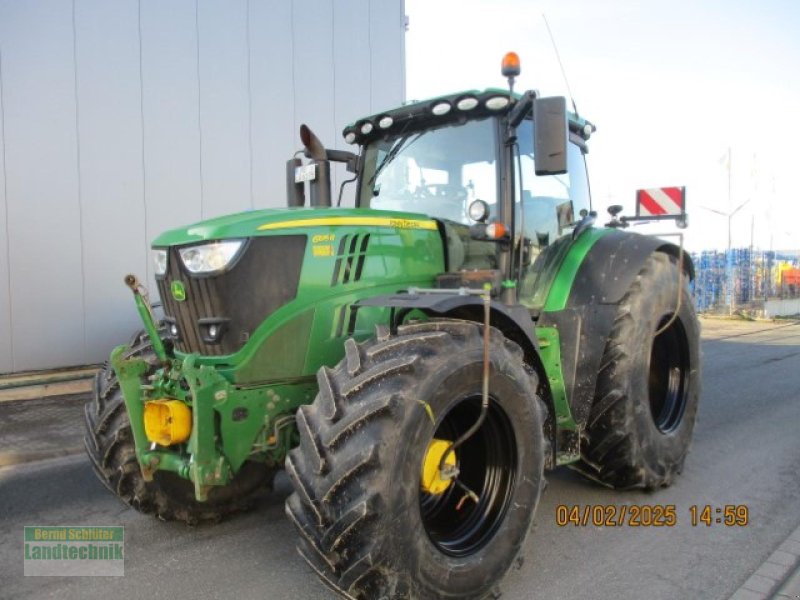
367,527
640,427
112,452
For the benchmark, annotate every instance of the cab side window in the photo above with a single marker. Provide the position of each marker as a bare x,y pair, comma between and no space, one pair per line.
547,206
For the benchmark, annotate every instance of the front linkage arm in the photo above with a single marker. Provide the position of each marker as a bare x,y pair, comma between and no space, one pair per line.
226,424
201,388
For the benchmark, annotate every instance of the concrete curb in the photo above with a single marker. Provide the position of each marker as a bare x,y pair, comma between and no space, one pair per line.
778,576
31,386
10,459
39,429
790,590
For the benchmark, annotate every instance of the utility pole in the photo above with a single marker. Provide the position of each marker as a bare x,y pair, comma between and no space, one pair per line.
730,288
729,164
750,272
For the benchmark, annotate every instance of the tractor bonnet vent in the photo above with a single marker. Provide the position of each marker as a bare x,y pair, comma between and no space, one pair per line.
350,259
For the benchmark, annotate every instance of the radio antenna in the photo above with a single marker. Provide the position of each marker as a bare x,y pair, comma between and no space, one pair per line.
561,65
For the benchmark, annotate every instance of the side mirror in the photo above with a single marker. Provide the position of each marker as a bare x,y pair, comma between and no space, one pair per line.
550,135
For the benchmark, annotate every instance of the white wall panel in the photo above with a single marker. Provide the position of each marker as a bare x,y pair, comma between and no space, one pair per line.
351,52
111,175
42,185
387,43
170,109
314,71
5,288
274,135
121,120
224,98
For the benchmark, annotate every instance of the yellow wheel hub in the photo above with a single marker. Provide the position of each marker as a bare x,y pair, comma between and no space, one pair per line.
432,480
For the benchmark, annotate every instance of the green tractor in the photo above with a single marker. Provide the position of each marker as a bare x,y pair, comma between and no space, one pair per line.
417,362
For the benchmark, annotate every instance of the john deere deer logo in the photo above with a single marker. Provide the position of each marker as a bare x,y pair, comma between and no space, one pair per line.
178,291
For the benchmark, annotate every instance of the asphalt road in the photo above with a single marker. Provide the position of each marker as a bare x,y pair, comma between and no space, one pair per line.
746,451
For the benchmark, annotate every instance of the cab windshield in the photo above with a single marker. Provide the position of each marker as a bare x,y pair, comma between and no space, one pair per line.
438,172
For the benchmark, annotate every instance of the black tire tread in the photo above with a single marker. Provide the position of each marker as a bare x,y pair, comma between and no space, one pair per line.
361,400
611,456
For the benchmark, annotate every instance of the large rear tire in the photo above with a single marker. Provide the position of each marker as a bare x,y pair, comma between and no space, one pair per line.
110,446
366,525
640,427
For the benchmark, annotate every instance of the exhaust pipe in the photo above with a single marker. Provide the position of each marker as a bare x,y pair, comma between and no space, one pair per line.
314,148
321,184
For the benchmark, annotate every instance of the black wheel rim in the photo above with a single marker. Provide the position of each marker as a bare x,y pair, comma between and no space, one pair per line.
669,371
487,464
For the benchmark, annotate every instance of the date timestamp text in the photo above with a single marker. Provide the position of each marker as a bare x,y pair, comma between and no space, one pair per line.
650,515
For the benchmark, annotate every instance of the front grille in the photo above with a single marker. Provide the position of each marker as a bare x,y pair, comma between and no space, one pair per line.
263,278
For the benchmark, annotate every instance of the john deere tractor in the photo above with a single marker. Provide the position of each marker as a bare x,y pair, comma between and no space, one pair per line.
416,362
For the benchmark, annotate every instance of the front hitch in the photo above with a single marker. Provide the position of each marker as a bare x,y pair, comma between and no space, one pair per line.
198,388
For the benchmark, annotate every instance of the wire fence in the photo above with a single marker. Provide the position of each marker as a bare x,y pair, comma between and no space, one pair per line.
745,280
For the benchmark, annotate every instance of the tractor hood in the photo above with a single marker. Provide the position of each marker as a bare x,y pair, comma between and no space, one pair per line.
284,267
296,220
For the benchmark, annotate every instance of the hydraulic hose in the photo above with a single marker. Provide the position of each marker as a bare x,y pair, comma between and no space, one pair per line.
484,397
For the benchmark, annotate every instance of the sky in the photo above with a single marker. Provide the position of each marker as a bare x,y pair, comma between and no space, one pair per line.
672,87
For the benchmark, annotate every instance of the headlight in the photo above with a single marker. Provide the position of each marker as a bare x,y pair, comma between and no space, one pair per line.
210,257
160,258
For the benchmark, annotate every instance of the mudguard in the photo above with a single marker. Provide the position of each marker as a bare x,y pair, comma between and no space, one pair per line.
604,276
515,320
613,262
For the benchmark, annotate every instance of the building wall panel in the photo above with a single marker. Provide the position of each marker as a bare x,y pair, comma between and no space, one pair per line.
272,95
120,120
314,69
42,186
5,287
171,116
224,106
111,174
352,57
387,35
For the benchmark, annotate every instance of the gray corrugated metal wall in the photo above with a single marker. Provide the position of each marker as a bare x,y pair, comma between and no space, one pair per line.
121,119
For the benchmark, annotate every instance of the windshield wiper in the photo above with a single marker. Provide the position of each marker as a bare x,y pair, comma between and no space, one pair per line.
393,152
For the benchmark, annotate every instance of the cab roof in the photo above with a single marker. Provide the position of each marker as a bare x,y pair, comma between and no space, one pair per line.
443,110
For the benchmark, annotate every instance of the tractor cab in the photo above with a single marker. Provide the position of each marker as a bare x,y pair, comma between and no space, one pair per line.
469,160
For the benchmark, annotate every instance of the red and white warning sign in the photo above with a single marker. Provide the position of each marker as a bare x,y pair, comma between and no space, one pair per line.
665,201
